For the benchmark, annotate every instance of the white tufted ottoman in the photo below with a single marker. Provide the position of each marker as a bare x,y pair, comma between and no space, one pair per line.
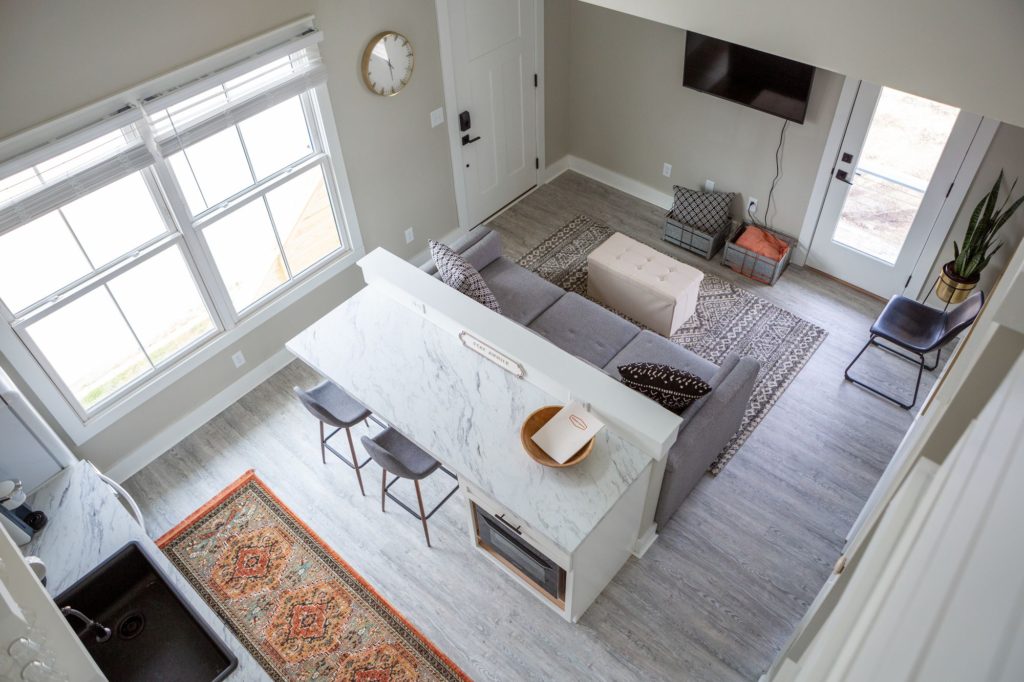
648,286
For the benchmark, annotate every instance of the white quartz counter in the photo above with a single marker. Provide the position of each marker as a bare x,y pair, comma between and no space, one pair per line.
86,525
465,411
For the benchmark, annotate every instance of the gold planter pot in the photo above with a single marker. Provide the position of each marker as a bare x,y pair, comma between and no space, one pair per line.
953,289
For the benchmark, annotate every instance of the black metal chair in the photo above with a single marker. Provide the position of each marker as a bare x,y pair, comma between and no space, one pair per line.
332,406
399,456
919,329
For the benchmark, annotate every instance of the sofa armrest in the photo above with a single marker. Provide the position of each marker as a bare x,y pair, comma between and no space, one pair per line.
480,247
704,434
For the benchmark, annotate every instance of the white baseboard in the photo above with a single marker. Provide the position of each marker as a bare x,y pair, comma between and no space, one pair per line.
644,542
620,182
555,169
149,451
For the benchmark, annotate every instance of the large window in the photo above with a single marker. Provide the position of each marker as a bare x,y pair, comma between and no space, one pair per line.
140,240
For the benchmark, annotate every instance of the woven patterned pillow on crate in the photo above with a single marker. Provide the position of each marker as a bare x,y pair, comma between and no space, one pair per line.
704,211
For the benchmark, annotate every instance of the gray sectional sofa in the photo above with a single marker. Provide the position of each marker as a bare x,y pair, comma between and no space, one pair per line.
605,340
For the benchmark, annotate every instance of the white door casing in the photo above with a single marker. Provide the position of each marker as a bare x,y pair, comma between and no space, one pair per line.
950,181
491,64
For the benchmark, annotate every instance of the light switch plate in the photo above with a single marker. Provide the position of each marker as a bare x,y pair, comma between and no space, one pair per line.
709,185
436,117
410,234
238,358
666,170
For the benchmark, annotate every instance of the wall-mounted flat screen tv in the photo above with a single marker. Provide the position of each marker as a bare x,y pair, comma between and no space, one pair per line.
756,79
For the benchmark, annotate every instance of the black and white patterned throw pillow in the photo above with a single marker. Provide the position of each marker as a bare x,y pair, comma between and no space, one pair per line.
457,273
704,211
674,389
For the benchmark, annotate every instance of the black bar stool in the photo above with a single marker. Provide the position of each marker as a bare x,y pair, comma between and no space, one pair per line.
333,406
397,455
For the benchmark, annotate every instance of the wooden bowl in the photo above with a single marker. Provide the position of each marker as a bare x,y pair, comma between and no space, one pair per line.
532,425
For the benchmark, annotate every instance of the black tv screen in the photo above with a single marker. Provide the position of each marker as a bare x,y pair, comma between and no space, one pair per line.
757,79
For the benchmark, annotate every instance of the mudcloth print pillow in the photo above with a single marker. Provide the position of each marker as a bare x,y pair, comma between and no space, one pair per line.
674,389
461,276
704,211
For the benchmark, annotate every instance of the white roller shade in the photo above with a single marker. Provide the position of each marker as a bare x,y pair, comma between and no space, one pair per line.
215,102
47,177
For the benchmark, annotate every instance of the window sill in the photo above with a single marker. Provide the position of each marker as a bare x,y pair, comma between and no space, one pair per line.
81,431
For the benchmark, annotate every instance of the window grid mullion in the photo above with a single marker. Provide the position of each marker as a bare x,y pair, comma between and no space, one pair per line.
131,329
277,237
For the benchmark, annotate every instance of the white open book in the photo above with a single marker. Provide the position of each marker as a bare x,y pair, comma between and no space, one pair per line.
567,432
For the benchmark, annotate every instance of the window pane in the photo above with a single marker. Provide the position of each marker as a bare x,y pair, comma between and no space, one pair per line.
37,259
304,220
276,137
219,166
187,182
113,220
246,253
162,304
89,345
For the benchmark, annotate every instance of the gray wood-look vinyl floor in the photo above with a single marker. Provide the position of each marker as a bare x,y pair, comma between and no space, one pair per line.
715,597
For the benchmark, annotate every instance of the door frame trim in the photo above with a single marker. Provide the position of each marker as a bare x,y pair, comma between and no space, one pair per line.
451,103
920,274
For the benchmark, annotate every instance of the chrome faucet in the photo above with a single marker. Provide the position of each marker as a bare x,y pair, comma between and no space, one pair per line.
104,632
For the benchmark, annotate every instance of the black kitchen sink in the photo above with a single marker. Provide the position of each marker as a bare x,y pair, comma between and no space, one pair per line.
143,629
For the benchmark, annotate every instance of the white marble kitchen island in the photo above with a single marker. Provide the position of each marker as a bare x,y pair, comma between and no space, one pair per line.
466,411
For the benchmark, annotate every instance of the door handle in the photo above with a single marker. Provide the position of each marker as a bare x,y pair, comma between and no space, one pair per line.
841,175
466,139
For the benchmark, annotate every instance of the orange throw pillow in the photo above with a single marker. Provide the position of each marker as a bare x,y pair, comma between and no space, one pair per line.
762,243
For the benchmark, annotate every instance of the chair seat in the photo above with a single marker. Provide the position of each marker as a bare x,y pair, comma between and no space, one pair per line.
332,405
401,456
910,324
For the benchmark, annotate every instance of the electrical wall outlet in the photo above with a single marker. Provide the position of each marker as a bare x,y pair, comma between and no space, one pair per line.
666,170
410,234
709,185
751,207
436,117
238,358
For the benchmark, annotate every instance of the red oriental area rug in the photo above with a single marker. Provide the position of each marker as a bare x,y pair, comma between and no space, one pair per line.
301,611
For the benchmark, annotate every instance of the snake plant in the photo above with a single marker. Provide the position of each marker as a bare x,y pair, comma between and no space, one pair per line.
979,242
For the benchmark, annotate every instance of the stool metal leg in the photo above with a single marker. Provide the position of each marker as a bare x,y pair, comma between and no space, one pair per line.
323,447
383,488
355,462
423,513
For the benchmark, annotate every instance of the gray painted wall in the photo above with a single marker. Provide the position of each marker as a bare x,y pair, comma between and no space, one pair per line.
59,55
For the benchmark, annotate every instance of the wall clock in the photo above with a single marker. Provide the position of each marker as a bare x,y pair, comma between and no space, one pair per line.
387,63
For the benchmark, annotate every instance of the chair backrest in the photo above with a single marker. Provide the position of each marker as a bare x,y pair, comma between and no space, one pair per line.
962,317
384,459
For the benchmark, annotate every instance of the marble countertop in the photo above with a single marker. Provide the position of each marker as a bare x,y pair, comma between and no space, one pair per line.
466,412
87,524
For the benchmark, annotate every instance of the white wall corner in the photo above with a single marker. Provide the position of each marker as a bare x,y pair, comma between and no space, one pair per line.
621,182
555,169
135,461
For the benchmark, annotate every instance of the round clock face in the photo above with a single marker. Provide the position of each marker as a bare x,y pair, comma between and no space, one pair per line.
387,63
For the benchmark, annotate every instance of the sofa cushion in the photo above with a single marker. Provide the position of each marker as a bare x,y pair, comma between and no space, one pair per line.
461,276
672,388
521,294
649,347
585,329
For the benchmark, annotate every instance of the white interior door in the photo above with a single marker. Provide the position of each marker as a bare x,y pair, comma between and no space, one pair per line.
494,55
896,167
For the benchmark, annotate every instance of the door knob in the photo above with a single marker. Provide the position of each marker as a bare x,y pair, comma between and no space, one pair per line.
841,175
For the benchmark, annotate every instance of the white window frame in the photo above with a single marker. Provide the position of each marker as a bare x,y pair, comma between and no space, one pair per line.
230,326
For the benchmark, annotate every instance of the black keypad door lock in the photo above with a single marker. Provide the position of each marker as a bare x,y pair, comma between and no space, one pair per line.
464,122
